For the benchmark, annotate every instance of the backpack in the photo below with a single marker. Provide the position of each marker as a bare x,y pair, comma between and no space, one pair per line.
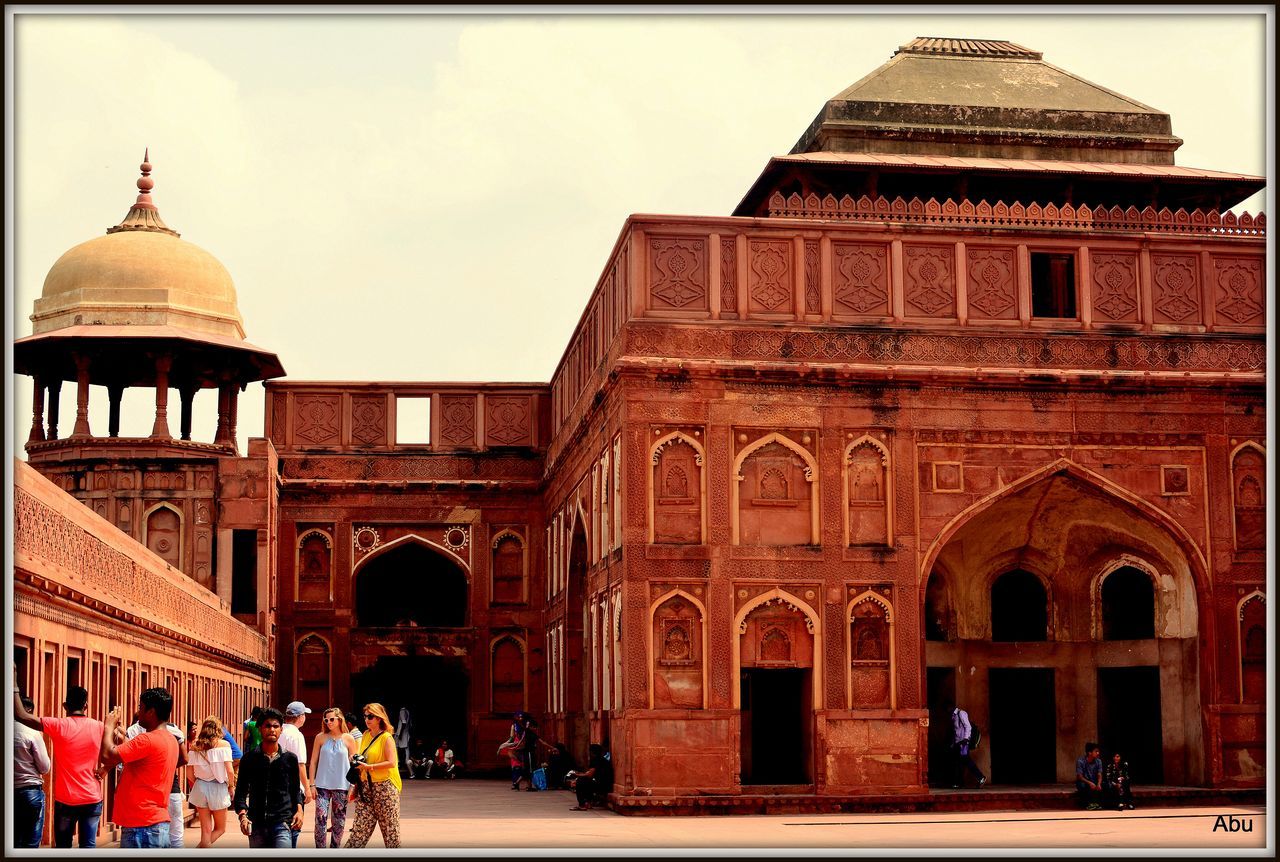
538,780
975,735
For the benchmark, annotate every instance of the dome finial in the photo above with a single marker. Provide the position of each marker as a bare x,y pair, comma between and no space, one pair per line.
143,215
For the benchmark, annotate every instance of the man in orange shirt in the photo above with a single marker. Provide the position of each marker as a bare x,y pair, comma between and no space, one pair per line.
142,797
77,782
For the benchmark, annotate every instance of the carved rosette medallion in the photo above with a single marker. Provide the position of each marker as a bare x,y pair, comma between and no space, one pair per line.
364,540
457,538
678,272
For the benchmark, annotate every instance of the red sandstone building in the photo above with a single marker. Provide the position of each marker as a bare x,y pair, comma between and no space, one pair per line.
963,403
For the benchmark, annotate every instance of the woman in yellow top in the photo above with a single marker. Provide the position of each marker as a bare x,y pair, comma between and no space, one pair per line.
377,796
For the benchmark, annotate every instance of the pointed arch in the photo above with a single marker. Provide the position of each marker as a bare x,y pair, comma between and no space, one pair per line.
1120,561
173,559
413,538
1242,636
886,492
700,461
312,668
1254,516
890,621
499,685
650,646
299,566
813,621
811,474
500,575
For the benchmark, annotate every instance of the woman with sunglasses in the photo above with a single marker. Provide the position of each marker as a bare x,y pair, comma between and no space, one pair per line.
377,796
330,756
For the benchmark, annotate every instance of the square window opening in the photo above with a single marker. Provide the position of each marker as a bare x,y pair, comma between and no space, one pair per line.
413,420
1053,285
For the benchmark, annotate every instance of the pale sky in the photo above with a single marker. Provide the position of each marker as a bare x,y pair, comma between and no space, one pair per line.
422,197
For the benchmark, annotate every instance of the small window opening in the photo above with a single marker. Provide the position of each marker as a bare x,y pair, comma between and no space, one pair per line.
413,420
1053,285
244,572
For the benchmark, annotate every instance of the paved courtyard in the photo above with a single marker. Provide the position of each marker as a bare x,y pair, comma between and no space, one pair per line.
447,815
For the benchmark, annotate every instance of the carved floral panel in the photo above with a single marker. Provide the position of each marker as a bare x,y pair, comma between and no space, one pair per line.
1239,291
812,278
992,284
1115,287
315,419
509,420
929,281
769,277
729,274
678,273
1177,288
458,420
861,278
369,420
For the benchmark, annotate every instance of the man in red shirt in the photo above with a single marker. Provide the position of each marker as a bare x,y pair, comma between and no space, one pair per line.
142,797
77,781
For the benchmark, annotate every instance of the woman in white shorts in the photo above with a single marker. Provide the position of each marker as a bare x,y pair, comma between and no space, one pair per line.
211,780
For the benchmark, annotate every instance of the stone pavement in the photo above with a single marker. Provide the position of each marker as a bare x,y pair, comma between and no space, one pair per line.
477,813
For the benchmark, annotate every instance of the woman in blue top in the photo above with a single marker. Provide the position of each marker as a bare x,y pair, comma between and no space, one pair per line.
330,758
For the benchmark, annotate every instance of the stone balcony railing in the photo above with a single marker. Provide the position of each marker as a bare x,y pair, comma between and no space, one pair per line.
63,549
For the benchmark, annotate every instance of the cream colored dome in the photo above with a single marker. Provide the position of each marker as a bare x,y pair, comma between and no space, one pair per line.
140,274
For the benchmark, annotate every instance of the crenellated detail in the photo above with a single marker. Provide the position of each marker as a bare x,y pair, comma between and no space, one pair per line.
966,213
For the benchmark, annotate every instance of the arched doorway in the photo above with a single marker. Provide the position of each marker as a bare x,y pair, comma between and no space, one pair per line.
411,640
577,666
1042,579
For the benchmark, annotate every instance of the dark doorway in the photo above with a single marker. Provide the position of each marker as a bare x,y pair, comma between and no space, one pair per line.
1023,735
775,725
435,689
577,680
1128,605
1129,720
411,585
1019,608
942,698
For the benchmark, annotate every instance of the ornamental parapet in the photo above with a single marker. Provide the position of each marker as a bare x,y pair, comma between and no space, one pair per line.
62,549
984,215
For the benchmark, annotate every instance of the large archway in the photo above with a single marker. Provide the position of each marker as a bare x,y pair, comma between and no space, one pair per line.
411,584
1085,551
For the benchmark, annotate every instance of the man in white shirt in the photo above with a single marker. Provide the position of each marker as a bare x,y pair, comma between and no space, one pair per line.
291,739
30,765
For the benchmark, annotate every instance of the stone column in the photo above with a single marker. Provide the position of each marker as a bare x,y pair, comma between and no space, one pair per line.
55,390
233,414
37,413
81,428
114,393
160,430
224,414
188,394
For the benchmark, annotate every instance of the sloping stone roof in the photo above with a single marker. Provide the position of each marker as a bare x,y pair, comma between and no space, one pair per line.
987,98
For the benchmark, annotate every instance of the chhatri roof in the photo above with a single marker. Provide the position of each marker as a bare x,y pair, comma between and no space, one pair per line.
965,97
140,274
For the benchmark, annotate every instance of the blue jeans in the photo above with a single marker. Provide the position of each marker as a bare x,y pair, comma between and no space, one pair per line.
68,818
154,836
28,816
275,835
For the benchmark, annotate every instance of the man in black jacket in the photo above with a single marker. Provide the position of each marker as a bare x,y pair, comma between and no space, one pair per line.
268,792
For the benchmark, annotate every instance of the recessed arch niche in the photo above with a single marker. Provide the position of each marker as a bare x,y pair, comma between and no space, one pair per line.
162,533
677,491
677,655
868,488
509,569
871,652
410,582
314,566
775,494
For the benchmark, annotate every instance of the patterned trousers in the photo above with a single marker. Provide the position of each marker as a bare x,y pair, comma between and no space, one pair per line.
330,802
380,805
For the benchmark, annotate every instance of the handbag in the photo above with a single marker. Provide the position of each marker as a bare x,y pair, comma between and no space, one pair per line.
354,772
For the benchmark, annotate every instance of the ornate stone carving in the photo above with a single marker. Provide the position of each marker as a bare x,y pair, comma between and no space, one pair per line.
774,497
729,274
929,281
508,569
315,566
992,284
1240,298
769,276
508,420
861,281
1177,288
1115,286
1248,478
369,419
812,278
279,419
458,420
867,477
316,420
677,493
678,272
